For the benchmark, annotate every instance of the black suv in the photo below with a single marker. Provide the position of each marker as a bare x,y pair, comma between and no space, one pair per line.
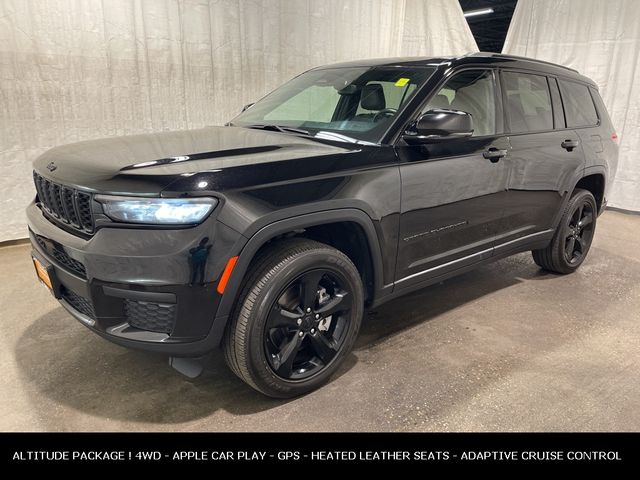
348,186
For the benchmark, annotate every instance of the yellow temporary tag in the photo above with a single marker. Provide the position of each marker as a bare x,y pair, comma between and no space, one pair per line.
402,82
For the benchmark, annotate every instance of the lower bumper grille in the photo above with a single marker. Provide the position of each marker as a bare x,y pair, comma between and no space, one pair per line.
79,303
150,316
58,254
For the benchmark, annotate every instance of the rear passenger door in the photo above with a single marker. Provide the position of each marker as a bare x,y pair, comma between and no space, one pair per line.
544,159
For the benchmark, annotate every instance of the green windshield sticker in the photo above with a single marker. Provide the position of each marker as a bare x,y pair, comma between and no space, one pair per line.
402,82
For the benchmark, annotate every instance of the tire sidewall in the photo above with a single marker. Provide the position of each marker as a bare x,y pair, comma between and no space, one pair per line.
258,366
580,197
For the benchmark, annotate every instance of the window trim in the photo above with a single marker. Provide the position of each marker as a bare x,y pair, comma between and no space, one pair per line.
595,108
558,78
597,101
385,134
506,110
497,91
556,103
397,128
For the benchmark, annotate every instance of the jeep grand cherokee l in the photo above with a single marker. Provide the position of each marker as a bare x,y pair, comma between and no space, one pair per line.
348,186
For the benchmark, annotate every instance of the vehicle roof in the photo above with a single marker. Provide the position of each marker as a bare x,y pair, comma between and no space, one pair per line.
478,58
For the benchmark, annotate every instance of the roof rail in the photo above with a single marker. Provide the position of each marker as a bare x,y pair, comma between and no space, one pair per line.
516,57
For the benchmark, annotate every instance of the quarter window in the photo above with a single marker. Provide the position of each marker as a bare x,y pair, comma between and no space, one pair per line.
473,92
528,102
578,104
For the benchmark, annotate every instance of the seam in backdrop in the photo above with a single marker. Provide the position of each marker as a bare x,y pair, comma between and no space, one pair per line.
72,71
601,39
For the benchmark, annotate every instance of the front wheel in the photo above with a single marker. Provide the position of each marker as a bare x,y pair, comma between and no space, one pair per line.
573,237
296,318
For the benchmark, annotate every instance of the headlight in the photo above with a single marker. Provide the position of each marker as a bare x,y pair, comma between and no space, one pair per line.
159,211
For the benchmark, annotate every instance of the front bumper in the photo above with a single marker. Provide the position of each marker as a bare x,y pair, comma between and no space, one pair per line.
143,289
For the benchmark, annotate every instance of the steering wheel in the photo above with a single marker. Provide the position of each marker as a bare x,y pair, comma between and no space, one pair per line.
384,111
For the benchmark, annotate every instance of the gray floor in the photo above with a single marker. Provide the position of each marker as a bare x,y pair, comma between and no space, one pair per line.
506,347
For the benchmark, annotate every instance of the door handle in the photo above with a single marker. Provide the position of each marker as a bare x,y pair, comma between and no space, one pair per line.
494,154
569,145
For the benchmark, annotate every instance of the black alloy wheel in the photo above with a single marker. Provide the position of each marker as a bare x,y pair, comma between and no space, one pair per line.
296,318
579,232
573,236
307,324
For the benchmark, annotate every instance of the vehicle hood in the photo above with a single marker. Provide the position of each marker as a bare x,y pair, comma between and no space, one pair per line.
146,164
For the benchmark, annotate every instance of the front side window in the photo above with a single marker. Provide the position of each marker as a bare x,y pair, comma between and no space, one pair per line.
578,104
528,103
350,103
473,92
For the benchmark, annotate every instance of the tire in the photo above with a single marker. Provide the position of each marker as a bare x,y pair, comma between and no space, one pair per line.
270,323
574,234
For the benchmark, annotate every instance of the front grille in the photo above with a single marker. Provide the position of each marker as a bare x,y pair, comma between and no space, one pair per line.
67,205
151,316
59,255
79,303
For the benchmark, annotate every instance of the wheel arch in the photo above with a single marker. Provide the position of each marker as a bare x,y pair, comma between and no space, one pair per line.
316,224
595,182
592,179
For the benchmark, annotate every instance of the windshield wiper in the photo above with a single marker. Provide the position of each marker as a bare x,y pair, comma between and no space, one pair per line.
279,128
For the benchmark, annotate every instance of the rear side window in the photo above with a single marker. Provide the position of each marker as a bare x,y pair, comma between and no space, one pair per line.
578,104
528,102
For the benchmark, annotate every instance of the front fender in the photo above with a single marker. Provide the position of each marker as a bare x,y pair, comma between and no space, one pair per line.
258,237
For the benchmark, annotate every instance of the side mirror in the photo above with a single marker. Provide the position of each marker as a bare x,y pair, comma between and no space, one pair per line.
439,125
247,106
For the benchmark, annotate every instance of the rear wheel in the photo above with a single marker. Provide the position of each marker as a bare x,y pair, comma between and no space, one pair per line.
296,318
573,237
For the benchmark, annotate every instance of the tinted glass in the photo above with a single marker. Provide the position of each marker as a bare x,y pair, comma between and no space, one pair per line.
528,102
394,96
578,104
558,113
603,115
472,92
351,103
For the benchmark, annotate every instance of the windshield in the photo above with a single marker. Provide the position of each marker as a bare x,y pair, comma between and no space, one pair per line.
348,103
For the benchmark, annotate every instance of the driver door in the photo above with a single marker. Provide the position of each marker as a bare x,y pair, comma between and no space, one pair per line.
452,195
